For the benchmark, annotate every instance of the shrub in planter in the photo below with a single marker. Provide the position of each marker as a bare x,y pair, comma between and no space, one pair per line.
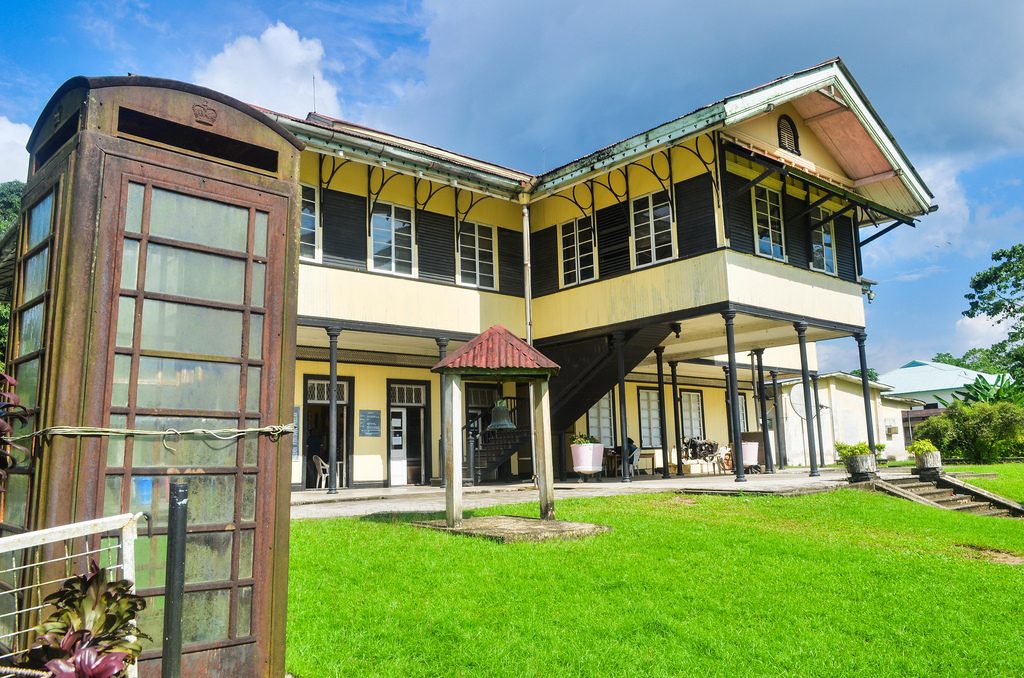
860,463
927,457
587,454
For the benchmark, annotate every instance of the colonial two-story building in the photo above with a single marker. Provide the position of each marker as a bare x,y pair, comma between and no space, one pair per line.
694,245
669,275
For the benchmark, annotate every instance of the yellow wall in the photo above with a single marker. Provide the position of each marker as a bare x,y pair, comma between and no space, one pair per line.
765,129
391,300
370,391
715,423
707,279
647,292
352,178
553,210
761,282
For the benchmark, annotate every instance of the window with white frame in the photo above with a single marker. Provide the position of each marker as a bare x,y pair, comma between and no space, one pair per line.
652,229
578,260
601,420
691,405
650,418
392,239
823,242
309,225
768,222
476,255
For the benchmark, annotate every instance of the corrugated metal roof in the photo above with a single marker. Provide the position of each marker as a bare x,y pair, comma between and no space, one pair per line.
925,376
497,349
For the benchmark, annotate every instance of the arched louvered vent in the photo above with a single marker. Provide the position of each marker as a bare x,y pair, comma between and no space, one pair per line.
788,138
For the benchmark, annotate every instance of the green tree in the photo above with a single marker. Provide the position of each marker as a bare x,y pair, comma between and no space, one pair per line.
872,373
10,203
979,432
10,206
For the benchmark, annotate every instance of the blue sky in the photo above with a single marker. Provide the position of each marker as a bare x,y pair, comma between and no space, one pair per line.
536,83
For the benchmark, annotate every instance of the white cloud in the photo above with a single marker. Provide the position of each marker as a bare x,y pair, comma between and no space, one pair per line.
275,70
13,156
980,332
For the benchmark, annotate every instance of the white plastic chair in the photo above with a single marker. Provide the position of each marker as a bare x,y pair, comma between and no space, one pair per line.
322,471
718,463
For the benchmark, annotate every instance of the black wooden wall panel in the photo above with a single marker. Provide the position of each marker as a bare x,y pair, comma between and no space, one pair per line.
613,240
795,231
740,215
343,218
435,242
544,261
510,262
695,216
846,262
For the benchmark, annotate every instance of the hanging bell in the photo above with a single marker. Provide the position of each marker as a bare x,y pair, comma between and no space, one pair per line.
501,418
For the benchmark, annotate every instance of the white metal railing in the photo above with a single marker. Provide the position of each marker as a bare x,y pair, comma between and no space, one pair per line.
23,586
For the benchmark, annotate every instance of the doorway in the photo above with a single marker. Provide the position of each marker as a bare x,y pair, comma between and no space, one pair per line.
316,430
408,433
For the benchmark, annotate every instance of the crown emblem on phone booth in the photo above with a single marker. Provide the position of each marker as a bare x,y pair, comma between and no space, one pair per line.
204,114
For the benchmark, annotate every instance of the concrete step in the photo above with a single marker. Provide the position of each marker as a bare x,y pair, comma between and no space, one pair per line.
972,506
910,480
992,511
953,500
932,492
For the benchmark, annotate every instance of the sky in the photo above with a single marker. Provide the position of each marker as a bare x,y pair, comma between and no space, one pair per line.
536,83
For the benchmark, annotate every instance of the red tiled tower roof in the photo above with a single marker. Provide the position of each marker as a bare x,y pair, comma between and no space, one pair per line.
500,352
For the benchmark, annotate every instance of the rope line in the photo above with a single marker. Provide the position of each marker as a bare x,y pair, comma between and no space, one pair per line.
274,431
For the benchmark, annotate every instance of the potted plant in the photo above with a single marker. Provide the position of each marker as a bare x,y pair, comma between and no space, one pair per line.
860,462
587,453
927,457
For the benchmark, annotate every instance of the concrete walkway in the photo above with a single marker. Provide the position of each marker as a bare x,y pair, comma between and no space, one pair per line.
360,502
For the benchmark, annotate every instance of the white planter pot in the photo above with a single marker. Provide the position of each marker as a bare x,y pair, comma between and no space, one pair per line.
928,460
588,458
861,467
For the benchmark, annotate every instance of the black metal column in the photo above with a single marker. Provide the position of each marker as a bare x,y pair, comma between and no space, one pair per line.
801,333
865,383
442,449
174,591
659,352
673,366
769,462
734,396
619,339
332,415
780,433
817,421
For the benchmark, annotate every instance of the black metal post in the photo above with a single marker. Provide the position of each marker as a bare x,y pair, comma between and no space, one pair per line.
619,339
472,432
817,421
442,450
734,396
769,462
728,406
865,383
801,333
332,416
780,433
659,352
677,417
174,582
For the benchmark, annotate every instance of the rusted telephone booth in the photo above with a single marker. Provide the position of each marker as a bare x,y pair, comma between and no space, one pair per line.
155,290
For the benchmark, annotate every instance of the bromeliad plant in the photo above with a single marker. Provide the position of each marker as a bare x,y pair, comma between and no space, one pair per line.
92,633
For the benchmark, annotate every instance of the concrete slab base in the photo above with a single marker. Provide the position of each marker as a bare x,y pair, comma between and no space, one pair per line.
509,529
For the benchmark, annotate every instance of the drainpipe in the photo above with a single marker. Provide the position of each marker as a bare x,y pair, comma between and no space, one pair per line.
528,298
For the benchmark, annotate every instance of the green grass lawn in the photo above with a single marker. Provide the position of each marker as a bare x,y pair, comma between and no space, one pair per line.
1010,482
834,584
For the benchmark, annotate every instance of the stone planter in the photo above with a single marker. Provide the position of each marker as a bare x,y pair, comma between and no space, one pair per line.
588,458
861,467
929,465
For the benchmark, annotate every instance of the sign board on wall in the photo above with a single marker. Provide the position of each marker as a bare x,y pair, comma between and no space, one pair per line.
369,423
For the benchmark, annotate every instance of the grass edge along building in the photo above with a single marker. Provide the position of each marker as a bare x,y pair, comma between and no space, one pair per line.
742,218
